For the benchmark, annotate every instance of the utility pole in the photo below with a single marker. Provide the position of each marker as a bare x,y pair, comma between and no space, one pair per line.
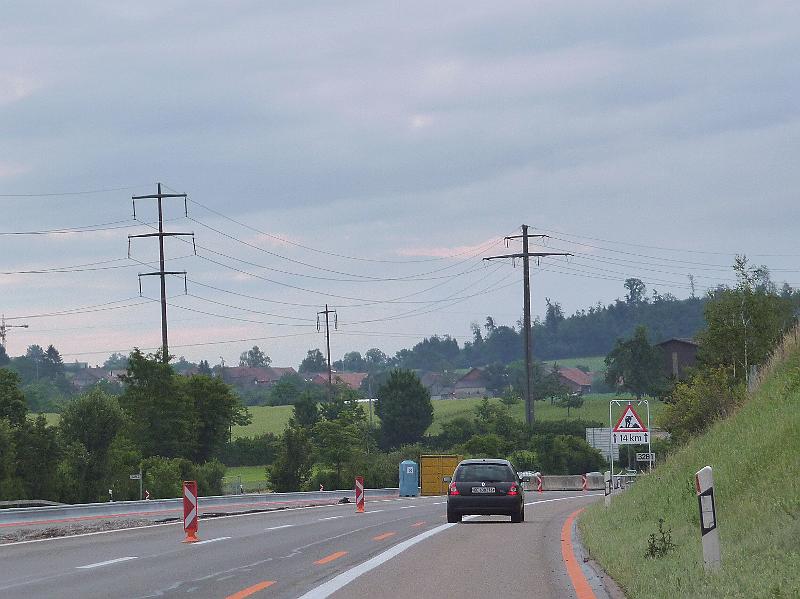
526,312
327,313
4,329
161,272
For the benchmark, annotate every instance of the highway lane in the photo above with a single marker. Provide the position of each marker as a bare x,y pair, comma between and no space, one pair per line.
283,553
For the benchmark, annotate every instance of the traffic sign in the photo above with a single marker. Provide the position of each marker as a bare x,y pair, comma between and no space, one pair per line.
190,510
136,477
646,457
629,429
359,494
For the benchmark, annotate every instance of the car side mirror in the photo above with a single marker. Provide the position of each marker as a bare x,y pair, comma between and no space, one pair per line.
447,479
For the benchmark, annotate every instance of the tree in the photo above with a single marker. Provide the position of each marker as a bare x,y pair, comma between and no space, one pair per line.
216,409
636,291
306,411
636,366
4,359
313,362
91,422
351,362
12,402
116,361
287,390
54,365
405,409
160,413
292,466
375,360
204,368
337,444
254,358
744,324
570,400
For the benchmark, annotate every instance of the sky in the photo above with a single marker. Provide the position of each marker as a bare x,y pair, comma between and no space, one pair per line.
368,155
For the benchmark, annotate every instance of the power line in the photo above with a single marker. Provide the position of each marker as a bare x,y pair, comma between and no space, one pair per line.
67,193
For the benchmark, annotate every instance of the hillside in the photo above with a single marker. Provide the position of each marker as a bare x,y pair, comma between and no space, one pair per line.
754,455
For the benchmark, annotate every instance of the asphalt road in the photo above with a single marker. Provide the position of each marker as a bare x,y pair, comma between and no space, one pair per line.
309,552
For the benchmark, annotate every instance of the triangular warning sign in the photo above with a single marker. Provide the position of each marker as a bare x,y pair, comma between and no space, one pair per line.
630,422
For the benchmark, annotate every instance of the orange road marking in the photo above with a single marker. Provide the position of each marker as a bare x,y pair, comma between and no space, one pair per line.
579,582
385,535
330,557
251,590
416,524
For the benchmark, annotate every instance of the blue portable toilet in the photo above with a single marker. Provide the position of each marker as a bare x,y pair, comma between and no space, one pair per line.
409,479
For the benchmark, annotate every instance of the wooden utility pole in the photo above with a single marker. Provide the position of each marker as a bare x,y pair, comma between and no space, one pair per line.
526,310
4,329
161,272
327,313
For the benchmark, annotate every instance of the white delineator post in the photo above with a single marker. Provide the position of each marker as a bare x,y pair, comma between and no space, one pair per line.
607,481
704,485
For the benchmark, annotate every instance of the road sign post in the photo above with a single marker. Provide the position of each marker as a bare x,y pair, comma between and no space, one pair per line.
607,481
704,485
190,511
359,494
139,478
630,428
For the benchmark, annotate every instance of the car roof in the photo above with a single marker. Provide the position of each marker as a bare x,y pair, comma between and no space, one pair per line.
485,461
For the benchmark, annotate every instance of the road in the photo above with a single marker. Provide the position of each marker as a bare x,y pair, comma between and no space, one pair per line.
310,552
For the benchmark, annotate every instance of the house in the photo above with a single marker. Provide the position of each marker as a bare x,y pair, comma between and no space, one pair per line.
352,379
246,376
472,384
575,379
435,383
86,377
679,354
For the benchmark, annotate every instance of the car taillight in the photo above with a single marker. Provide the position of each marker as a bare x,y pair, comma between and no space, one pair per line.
453,489
512,490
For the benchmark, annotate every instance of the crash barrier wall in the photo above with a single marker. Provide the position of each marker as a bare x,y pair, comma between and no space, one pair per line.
173,508
571,482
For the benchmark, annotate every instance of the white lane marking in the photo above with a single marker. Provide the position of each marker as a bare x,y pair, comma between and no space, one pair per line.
439,503
406,507
374,511
211,541
337,582
330,518
279,527
106,563
564,498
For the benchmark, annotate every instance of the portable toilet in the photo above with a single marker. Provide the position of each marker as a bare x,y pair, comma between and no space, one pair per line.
409,479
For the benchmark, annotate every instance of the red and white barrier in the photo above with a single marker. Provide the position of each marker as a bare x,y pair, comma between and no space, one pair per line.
539,485
359,494
190,511
584,483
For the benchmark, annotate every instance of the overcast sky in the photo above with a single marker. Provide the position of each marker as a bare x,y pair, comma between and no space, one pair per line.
368,155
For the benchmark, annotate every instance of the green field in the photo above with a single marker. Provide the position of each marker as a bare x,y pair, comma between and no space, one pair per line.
754,456
268,419
594,363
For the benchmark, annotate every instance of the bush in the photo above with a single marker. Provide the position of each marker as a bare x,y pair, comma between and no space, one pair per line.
694,405
250,451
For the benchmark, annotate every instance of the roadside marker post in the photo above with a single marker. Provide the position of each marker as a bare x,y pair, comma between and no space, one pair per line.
607,481
704,485
190,511
360,494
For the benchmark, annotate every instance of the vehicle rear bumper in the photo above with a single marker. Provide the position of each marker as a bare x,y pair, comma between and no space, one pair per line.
501,505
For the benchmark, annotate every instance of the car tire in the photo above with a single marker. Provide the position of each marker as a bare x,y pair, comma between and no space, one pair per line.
453,517
519,516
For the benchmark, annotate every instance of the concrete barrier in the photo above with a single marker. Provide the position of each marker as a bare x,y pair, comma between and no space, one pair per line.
572,482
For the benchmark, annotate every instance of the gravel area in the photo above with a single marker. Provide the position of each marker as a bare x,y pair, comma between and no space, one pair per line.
66,530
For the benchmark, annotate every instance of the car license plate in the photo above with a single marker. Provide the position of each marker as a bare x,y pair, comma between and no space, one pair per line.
483,489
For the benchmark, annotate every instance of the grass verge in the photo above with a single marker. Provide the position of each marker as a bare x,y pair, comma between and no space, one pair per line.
754,455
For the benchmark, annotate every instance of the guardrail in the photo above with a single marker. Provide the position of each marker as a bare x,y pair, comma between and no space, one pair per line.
164,509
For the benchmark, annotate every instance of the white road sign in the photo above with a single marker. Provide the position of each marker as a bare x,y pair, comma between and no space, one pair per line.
136,477
629,429
645,457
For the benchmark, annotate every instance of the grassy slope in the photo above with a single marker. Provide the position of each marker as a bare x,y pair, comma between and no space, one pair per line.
755,457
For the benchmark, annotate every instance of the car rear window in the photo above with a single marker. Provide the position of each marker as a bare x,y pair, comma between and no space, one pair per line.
484,472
